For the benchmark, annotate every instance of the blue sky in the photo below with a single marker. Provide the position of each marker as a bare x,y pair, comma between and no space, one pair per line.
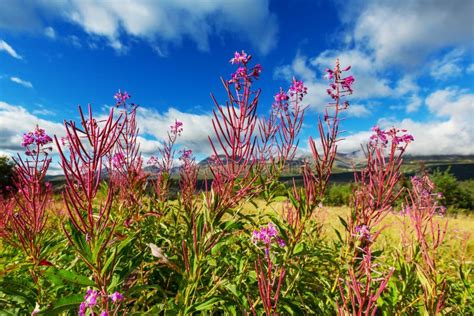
412,60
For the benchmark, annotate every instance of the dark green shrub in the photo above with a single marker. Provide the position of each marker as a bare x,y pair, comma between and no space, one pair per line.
338,194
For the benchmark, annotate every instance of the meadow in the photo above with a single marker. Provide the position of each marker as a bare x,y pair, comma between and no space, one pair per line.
114,241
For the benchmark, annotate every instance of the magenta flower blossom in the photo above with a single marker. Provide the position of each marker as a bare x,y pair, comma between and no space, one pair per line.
297,88
363,232
267,235
38,137
186,154
347,82
90,300
177,128
121,97
116,297
329,74
240,58
281,96
104,313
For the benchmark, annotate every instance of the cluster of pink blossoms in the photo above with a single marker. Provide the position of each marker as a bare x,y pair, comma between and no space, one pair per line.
177,128
363,232
267,235
346,83
382,138
121,97
38,137
186,154
90,301
243,73
298,88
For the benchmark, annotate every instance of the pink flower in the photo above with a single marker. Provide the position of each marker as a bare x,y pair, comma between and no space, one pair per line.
363,232
267,235
257,70
329,74
347,83
121,97
186,154
116,297
177,128
281,96
37,136
104,313
240,58
297,88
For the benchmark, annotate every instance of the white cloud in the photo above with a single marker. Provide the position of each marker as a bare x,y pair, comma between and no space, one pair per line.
22,82
367,83
358,110
196,128
11,131
405,32
449,66
50,32
4,46
160,22
470,69
450,132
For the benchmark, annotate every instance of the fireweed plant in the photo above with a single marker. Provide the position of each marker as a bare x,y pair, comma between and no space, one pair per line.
228,237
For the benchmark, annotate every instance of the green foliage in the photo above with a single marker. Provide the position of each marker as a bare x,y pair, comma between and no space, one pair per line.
338,194
6,173
456,195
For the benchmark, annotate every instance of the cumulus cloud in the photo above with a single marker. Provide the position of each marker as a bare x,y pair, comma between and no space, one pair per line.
50,32
405,32
449,66
155,125
11,131
22,82
158,22
449,132
4,46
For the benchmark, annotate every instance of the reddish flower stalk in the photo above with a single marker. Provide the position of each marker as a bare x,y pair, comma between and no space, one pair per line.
83,164
125,159
362,288
88,145
165,162
422,208
328,127
278,135
269,278
188,174
235,129
376,186
374,194
33,195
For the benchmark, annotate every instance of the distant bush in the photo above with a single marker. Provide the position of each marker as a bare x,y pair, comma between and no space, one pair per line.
6,173
456,195
338,194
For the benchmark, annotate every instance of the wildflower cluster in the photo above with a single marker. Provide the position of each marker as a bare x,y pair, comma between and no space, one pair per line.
92,299
382,138
121,98
177,128
37,136
268,235
339,86
243,73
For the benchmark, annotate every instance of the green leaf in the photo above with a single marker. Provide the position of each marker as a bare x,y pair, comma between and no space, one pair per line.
207,304
68,277
64,304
